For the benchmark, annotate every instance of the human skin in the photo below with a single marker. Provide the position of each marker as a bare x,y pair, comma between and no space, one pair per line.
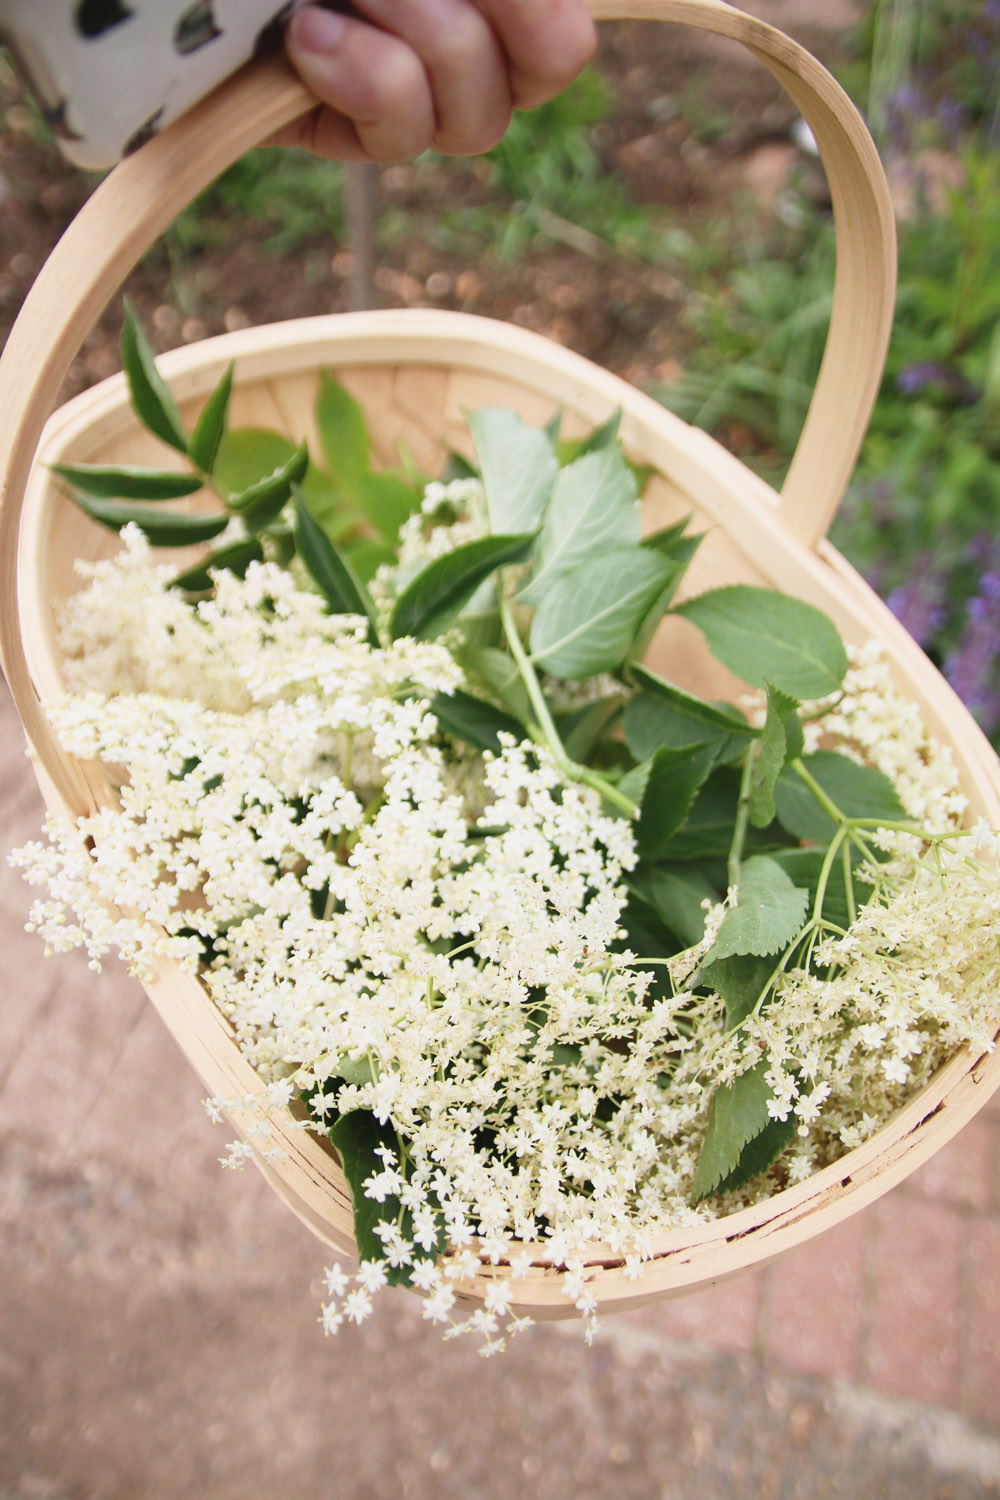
398,77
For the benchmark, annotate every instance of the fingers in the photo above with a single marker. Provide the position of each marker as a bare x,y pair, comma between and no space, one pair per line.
547,43
399,76
376,98
405,77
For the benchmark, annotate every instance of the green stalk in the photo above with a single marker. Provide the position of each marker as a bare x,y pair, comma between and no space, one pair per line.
569,768
742,817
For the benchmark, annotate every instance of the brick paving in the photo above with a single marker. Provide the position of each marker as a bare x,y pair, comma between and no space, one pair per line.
902,1300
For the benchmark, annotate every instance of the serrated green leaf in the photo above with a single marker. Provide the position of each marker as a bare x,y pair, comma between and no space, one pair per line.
435,598
235,558
652,720
203,448
676,895
760,1153
246,455
356,1137
738,1113
762,635
673,572
769,913
740,979
343,433
478,723
770,754
518,469
498,674
162,528
127,481
338,583
703,711
593,509
675,778
858,791
151,399
667,537
804,867
264,501
633,784
588,618
708,830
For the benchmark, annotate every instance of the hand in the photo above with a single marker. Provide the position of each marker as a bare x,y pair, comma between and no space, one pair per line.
397,77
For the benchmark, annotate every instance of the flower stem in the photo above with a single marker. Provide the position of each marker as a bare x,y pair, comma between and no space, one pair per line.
571,769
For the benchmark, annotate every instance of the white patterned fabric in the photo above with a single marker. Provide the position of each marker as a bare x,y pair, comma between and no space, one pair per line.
110,73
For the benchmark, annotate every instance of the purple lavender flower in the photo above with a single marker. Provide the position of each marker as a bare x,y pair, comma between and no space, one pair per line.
919,604
925,374
973,668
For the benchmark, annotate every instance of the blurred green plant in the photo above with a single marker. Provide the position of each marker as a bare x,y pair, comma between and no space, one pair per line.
922,516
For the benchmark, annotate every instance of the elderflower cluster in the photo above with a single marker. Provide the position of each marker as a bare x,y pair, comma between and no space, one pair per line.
400,929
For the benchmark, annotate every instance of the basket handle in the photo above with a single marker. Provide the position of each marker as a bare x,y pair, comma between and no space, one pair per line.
142,197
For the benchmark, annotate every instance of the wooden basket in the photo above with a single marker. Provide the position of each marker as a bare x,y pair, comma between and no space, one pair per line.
416,373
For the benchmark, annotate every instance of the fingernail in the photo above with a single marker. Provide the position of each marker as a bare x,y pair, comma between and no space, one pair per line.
315,30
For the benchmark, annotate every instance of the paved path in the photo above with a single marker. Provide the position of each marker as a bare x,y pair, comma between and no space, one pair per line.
158,1333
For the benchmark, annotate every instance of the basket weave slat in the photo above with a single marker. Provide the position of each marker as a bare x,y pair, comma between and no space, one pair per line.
417,374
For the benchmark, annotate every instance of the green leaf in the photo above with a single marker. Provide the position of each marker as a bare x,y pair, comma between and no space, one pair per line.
588,618
708,831
366,556
718,715
246,455
151,400
203,448
858,791
770,755
356,1137
676,895
804,867
343,434
337,581
458,467
383,499
740,979
498,674
673,572
663,714
518,468
127,482
762,635
769,913
264,501
435,598
668,538
477,723
162,528
675,778
580,731
738,1113
603,436
593,509
760,1153
235,558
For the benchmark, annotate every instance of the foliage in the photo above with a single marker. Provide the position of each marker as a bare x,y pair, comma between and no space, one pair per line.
921,516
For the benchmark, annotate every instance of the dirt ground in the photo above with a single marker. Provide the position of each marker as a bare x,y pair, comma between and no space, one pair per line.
622,313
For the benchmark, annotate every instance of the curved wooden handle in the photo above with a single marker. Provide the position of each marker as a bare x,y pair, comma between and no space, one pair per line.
144,195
